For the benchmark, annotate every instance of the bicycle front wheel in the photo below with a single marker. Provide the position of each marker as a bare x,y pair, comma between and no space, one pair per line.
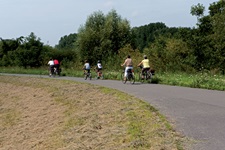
140,78
122,78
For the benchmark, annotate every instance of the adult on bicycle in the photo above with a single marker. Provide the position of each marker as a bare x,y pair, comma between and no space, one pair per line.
56,64
128,65
51,66
144,64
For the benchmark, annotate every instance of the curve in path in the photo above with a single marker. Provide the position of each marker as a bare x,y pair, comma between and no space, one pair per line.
196,113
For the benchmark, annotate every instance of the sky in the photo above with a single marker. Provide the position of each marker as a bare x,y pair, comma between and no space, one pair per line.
50,20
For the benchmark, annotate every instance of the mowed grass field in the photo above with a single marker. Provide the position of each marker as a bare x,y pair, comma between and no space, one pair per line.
49,114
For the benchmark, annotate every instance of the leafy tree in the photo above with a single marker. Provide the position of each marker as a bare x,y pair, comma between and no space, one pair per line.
30,52
144,35
216,7
217,12
102,36
67,42
208,38
197,10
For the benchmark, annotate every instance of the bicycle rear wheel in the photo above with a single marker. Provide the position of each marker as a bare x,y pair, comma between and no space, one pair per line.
132,79
102,77
90,77
149,77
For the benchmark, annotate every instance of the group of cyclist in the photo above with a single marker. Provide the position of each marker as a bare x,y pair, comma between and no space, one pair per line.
53,64
98,67
128,64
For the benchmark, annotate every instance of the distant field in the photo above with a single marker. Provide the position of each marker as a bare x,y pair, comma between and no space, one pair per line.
56,114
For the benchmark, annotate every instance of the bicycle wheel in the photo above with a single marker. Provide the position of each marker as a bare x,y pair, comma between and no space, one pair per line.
140,78
149,77
132,78
90,77
122,78
85,76
102,77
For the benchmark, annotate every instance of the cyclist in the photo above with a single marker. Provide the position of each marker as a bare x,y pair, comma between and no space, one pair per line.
98,68
56,65
51,66
128,65
144,64
86,67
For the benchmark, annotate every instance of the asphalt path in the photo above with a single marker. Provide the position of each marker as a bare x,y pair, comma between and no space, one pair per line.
198,114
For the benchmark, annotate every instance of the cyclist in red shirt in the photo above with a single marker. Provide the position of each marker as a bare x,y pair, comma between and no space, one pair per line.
56,64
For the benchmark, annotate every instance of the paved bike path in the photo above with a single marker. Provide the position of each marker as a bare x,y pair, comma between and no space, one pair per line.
197,113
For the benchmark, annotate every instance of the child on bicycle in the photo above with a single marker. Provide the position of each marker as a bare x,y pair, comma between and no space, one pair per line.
144,65
86,67
98,68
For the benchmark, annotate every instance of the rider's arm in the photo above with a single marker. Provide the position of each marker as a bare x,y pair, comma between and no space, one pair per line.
124,63
140,64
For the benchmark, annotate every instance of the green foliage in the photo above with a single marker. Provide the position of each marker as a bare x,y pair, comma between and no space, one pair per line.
146,34
208,39
197,10
102,36
67,42
170,54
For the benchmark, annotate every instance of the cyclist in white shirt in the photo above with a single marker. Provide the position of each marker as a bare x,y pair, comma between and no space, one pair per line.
98,67
51,66
87,66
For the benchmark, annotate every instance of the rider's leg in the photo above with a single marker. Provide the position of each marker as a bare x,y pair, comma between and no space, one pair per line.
142,73
125,74
98,73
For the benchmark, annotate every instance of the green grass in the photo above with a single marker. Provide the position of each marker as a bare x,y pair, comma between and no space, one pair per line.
197,80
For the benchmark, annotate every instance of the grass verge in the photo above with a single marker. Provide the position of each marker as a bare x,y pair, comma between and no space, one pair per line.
72,115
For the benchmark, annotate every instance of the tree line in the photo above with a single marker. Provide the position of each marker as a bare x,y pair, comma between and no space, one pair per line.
110,38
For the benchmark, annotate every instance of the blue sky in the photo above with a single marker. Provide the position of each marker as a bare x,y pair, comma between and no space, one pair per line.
52,19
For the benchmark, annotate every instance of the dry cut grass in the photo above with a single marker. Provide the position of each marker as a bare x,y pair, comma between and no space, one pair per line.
48,114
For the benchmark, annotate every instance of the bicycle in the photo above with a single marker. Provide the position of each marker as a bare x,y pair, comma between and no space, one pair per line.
52,72
147,74
56,71
130,76
100,75
87,74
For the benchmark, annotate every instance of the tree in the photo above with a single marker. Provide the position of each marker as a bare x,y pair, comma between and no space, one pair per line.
30,52
102,36
208,40
197,10
67,42
217,12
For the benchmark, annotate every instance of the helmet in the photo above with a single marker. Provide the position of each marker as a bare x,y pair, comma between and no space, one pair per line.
145,57
99,61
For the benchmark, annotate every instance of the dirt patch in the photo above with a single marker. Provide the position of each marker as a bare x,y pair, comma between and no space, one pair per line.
52,114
